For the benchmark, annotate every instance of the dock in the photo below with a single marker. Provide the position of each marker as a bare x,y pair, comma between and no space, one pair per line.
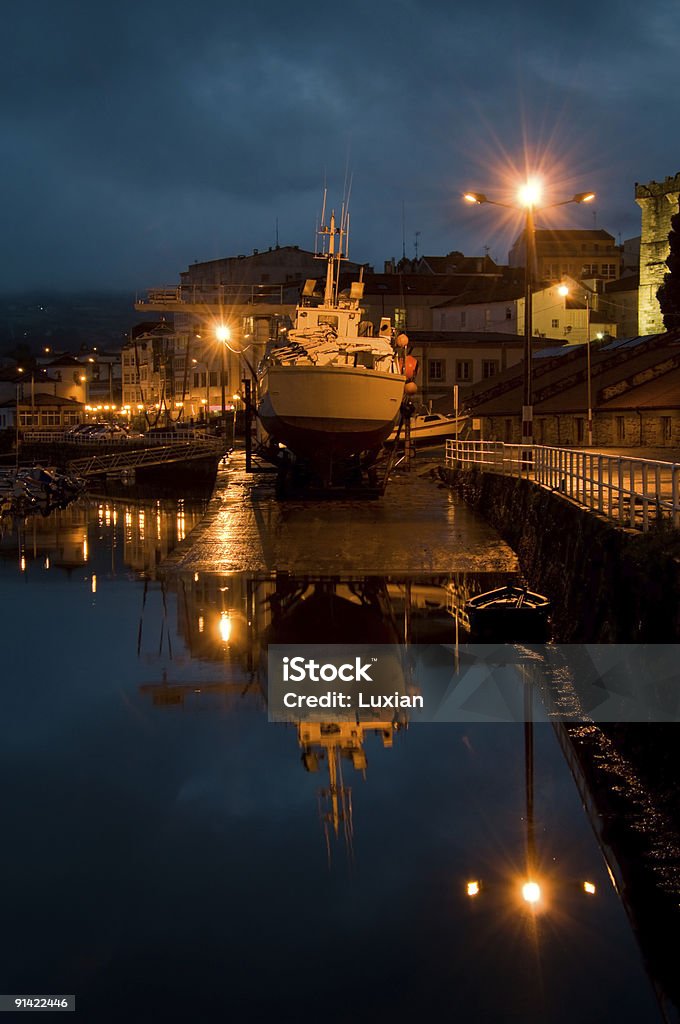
419,527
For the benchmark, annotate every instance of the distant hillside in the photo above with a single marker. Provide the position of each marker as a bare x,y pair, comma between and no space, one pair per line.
66,320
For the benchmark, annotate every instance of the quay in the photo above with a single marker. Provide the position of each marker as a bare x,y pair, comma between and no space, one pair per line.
419,527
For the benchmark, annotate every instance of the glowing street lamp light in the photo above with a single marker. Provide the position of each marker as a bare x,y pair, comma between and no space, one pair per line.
529,195
223,335
531,893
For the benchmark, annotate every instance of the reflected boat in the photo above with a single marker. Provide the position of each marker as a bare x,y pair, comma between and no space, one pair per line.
509,614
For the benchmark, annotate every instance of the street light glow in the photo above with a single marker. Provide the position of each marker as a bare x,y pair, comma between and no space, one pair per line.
583,197
563,290
474,197
222,333
472,889
531,892
530,193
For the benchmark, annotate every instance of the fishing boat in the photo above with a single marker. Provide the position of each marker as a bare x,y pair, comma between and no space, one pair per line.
430,428
330,390
510,614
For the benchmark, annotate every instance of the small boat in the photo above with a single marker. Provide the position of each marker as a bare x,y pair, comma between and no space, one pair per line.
430,428
510,614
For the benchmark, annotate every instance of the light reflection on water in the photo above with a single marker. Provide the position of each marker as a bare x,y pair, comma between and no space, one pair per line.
165,844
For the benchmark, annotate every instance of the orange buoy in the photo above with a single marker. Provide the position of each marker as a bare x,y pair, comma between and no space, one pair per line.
410,388
410,367
402,340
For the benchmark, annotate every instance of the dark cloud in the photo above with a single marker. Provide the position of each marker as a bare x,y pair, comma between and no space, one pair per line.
137,137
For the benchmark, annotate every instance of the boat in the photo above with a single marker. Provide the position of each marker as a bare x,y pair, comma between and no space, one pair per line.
509,614
330,390
430,428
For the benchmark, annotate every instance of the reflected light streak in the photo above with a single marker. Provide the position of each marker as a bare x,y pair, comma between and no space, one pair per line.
94,583
224,627
473,889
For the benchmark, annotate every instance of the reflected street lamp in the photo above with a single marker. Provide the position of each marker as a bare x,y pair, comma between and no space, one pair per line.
528,197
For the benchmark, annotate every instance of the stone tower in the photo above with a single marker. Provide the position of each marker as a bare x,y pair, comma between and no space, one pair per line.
658,202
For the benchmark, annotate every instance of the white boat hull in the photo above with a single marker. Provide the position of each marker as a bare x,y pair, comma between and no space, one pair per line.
329,411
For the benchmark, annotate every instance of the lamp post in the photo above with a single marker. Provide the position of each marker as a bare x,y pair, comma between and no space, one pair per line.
563,290
223,334
528,198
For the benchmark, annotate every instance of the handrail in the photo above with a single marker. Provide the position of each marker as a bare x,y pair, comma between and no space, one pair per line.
630,491
227,294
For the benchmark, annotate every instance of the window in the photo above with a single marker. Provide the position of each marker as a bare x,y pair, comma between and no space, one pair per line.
463,369
213,378
554,323
487,317
400,319
589,270
666,429
27,419
463,319
489,368
608,270
50,418
508,312
620,428
435,370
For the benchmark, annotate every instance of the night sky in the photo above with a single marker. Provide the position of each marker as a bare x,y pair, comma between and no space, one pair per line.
138,137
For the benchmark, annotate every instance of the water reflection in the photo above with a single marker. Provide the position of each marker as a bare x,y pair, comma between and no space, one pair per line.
183,828
100,534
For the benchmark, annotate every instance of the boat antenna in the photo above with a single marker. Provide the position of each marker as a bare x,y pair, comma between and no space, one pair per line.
403,230
323,218
277,232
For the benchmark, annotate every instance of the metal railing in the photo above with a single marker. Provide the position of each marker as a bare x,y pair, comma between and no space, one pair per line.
222,294
160,437
632,492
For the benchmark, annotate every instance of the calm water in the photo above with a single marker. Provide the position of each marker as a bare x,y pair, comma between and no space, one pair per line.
167,856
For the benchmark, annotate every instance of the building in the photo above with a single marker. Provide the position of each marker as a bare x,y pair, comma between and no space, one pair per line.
579,254
633,385
658,202
498,307
463,359
40,411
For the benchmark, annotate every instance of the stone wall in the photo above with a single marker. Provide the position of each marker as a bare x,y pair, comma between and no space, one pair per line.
606,584
658,202
659,428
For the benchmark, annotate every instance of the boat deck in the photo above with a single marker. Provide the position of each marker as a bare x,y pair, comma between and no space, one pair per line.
419,527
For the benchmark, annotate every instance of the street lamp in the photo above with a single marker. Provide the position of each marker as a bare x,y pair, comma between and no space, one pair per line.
223,334
563,290
528,197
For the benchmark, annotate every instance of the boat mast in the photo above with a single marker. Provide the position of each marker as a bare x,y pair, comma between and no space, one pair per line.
329,294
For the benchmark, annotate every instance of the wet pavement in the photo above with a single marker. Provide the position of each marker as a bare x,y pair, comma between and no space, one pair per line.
418,526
